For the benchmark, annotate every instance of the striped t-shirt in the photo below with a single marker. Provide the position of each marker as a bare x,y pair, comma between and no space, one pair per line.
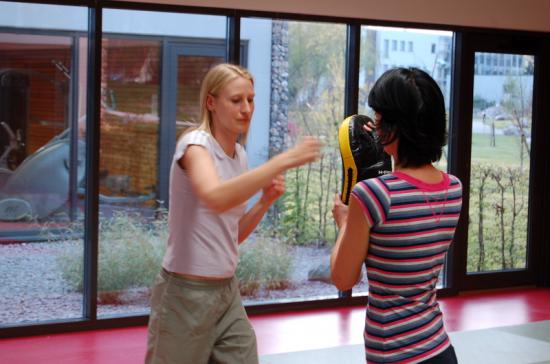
412,224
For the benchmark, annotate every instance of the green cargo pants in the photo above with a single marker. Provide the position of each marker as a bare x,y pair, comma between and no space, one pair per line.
198,322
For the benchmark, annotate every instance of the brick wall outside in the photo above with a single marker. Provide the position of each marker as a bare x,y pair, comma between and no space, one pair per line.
130,82
129,147
48,90
129,134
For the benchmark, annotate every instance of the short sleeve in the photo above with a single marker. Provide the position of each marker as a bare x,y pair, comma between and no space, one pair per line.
195,137
243,158
373,199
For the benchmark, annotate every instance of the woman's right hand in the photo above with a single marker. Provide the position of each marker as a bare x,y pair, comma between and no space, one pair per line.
339,211
307,151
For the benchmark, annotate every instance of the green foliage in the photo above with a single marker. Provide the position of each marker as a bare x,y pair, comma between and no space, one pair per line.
497,236
313,48
130,252
264,261
316,90
306,214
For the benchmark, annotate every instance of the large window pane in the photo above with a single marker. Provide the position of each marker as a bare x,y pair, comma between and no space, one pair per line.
424,49
299,71
150,60
42,79
501,145
428,50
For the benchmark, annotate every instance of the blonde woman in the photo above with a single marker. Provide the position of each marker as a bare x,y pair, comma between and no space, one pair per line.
196,311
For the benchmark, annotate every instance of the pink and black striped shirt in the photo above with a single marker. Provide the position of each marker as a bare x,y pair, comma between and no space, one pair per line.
412,224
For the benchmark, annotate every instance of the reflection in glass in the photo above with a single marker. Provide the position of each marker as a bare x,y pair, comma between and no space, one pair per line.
41,163
501,144
142,72
191,70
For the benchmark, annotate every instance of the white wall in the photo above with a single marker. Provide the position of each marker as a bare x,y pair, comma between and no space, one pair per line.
530,15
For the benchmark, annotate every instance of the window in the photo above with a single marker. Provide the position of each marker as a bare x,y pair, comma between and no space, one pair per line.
299,72
301,83
43,85
137,140
499,185
438,66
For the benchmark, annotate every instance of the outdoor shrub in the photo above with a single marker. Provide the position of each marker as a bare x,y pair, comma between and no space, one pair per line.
130,255
264,261
497,218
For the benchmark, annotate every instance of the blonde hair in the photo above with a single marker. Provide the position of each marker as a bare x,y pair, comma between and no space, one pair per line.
214,81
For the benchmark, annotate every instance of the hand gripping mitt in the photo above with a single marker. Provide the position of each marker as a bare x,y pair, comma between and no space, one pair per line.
362,156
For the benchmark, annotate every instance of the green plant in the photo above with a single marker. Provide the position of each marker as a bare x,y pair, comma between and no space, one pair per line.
264,261
315,107
497,218
130,254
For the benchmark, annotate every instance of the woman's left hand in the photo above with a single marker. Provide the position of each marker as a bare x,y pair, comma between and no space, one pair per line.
339,211
274,190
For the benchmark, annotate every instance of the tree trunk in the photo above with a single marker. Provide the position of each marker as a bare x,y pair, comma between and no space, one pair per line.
480,238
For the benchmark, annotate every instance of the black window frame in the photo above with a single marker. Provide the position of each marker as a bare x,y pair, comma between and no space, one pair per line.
470,43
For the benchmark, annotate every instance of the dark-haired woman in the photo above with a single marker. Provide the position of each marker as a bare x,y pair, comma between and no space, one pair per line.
401,225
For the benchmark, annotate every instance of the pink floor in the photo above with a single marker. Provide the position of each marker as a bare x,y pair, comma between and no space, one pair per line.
283,332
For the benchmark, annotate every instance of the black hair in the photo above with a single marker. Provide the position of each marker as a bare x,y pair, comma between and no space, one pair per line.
413,110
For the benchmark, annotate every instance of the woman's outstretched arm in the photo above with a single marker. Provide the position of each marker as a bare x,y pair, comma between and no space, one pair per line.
221,196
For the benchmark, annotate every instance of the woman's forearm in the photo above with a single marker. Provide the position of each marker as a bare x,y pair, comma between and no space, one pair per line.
228,194
221,196
252,218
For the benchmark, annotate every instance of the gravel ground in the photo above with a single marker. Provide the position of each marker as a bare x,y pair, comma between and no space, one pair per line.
32,289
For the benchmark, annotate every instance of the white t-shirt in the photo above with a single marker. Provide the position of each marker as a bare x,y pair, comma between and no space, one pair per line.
202,242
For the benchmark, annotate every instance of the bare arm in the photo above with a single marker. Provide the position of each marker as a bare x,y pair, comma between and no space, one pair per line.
221,196
252,218
351,245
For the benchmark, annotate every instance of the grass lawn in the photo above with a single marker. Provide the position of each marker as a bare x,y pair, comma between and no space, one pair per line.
506,153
